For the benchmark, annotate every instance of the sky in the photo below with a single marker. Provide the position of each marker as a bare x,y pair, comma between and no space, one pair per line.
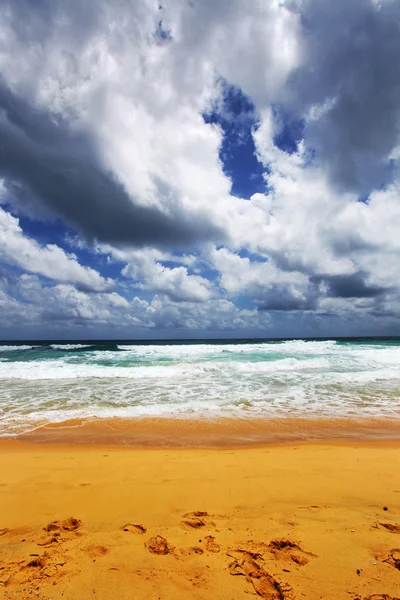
199,169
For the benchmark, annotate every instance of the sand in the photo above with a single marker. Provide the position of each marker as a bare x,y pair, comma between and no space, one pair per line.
290,521
200,432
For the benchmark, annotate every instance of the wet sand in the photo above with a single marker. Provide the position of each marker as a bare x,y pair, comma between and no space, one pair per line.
290,521
213,432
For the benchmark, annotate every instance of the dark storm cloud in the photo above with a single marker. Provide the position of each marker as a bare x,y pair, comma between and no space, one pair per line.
354,286
43,156
350,286
352,67
285,299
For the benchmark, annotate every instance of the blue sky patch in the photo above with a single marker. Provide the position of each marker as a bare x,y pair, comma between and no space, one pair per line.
291,131
236,116
244,253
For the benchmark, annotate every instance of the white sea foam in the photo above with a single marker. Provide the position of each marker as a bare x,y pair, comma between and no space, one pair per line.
4,348
69,346
288,378
62,369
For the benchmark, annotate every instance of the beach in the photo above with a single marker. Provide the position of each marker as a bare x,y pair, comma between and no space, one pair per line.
222,470
199,300
277,521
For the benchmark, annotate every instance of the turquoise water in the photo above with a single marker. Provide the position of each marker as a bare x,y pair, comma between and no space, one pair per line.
50,382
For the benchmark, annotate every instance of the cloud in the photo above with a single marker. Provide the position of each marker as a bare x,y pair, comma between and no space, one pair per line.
270,288
66,303
60,168
288,298
348,89
350,286
62,310
314,242
176,282
103,122
126,157
213,315
58,308
50,261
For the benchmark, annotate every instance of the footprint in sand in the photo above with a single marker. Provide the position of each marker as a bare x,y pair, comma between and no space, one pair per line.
158,545
287,550
392,527
393,558
211,545
41,567
196,520
96,551
56,528
31,572
54,539
248,564
70,524
134,528
38,562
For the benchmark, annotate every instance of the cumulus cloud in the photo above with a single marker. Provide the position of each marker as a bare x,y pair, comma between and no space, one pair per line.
50,261
28,302
103,124
351,286
61,170
348,89
214,315
315,243
174,282
62,305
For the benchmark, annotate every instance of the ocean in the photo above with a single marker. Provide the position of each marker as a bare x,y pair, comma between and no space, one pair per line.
51,382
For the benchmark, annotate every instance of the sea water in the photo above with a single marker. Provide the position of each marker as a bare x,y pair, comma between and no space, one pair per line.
43,383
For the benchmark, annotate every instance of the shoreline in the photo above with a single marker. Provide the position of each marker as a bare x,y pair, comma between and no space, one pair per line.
211,432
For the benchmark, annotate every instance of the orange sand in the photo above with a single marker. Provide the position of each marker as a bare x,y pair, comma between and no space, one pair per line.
278,522
173,432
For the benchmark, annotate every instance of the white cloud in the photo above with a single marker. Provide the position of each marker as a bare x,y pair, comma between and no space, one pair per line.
136,105
50,261
213,315
175,282
64,303
146,269
61,309
141,102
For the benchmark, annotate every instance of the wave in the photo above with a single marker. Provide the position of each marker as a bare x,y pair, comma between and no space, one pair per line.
70,346
99,366
106,347
32,405
58,381
6,348
209,351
